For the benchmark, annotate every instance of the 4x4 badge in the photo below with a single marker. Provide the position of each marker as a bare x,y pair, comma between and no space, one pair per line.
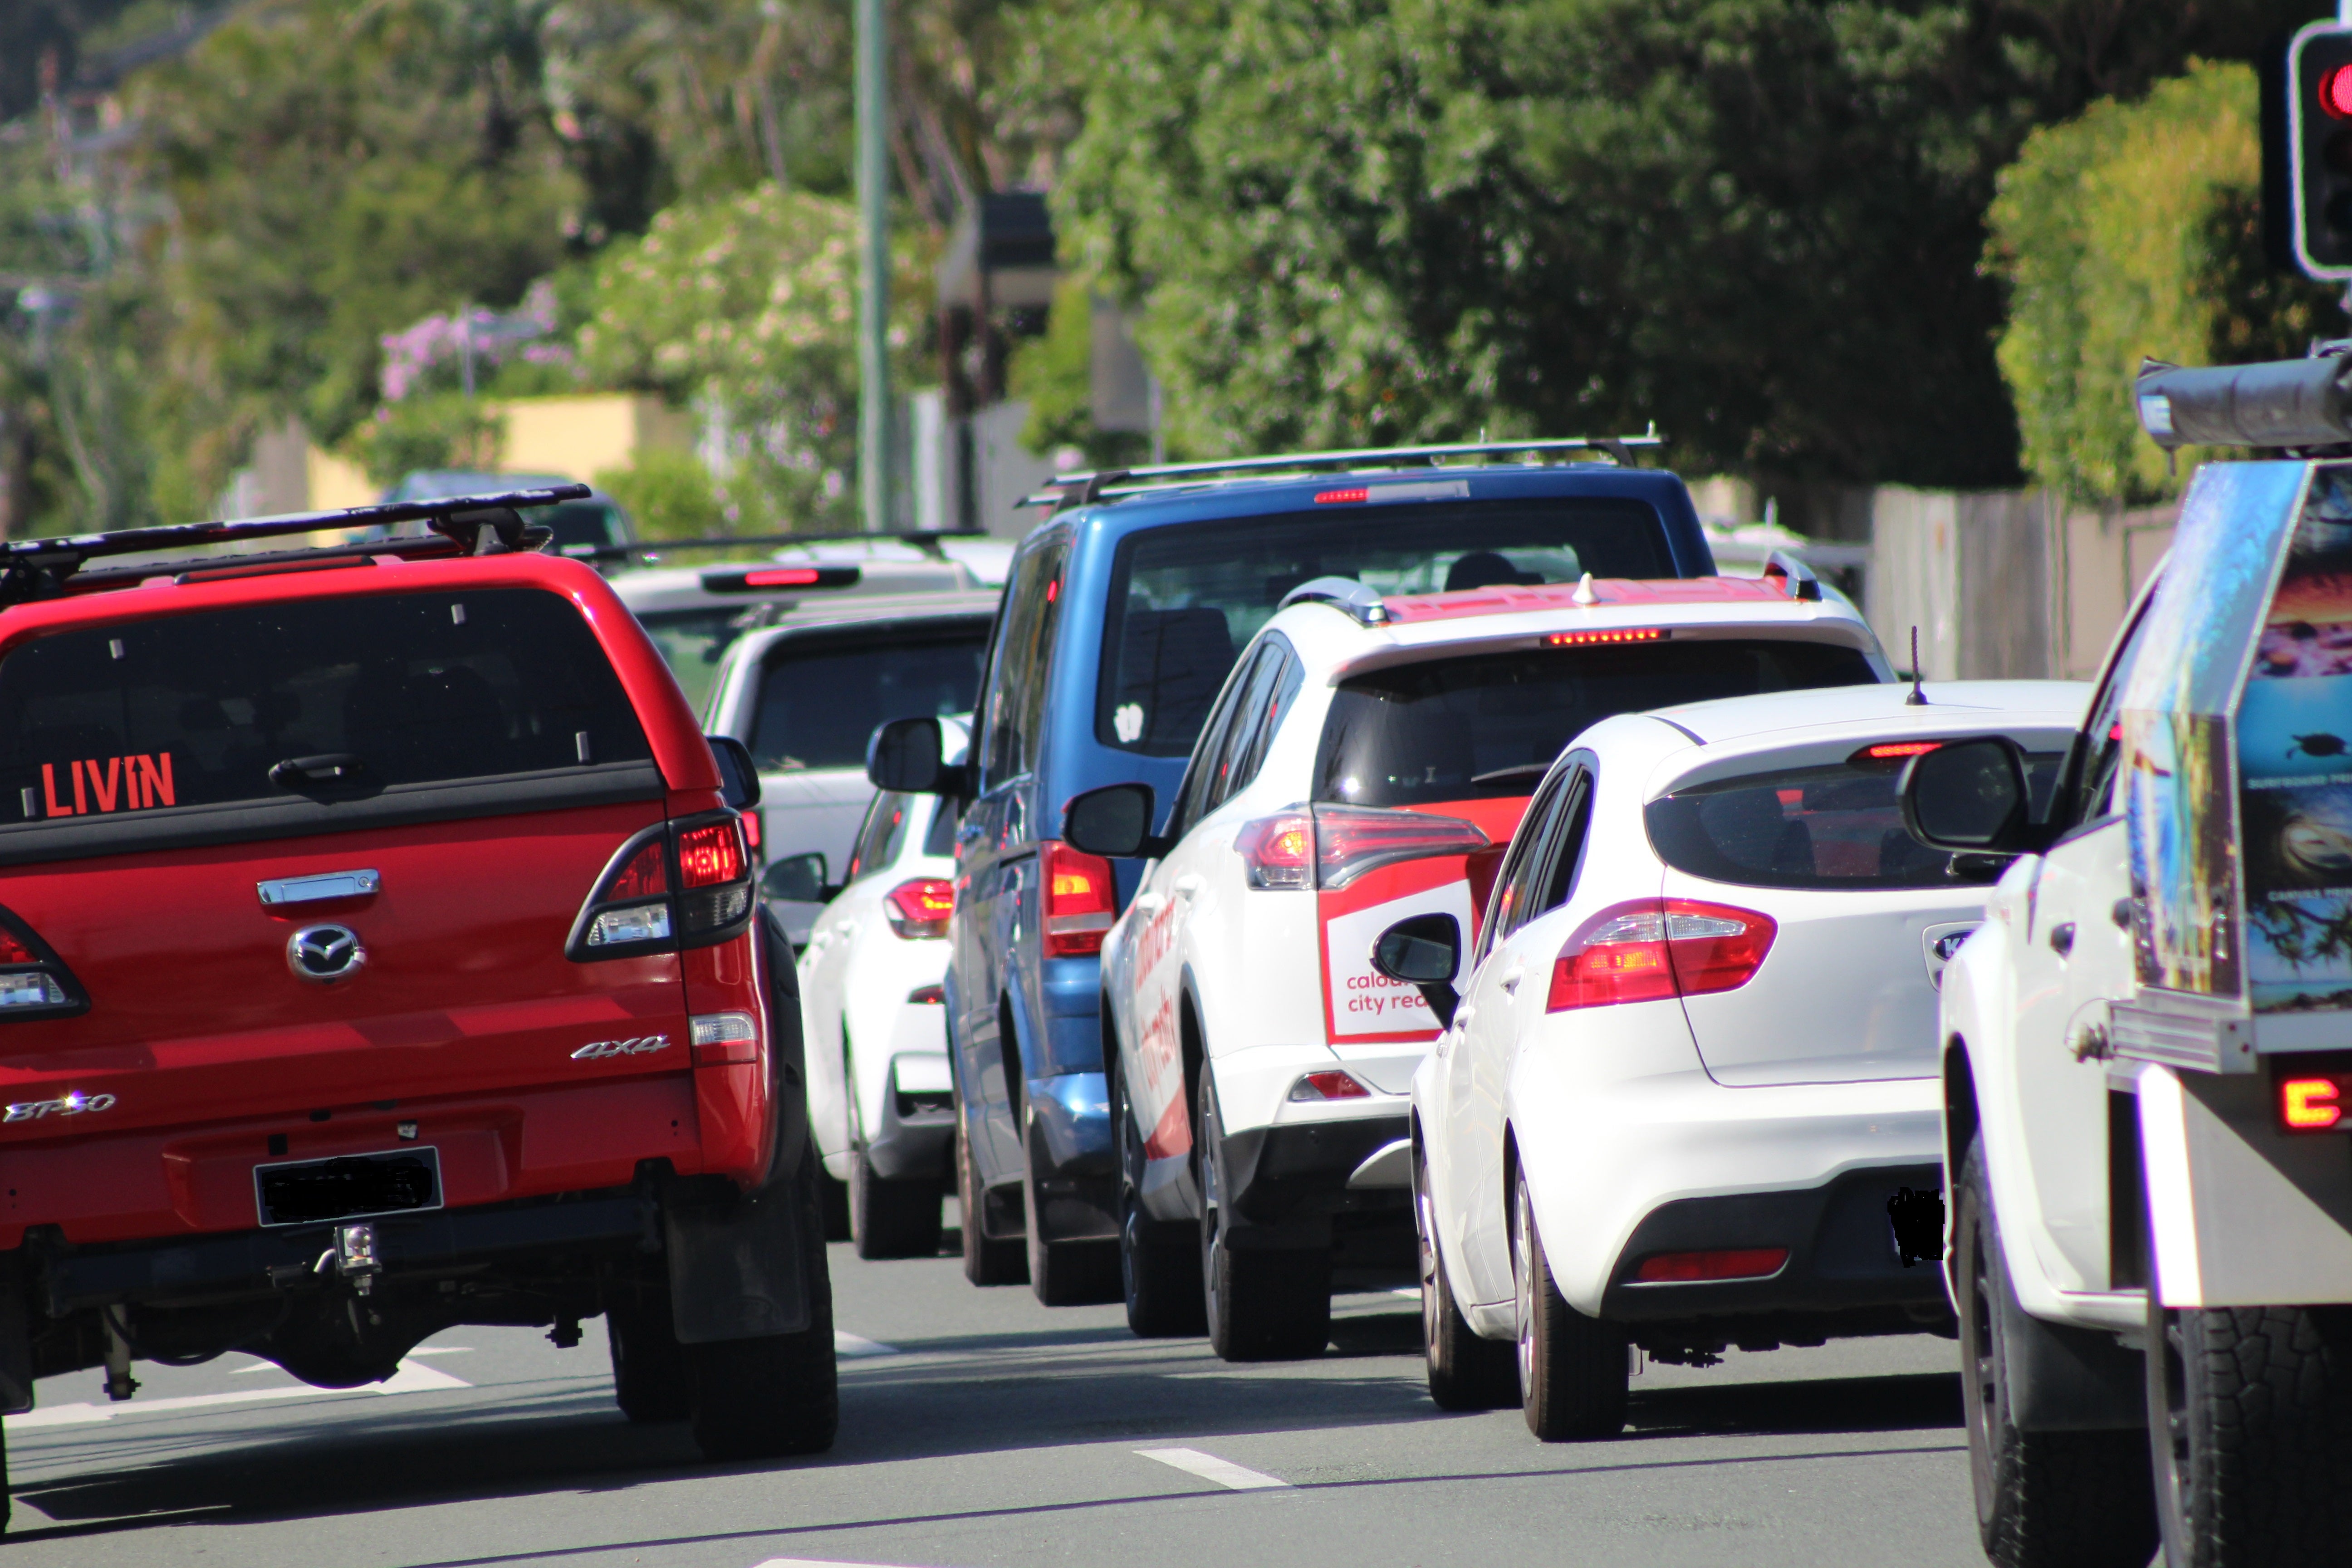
325,953
644,1045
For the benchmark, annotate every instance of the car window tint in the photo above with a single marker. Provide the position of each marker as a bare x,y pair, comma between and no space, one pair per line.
1016,695
821,699
1185,599
939,838
1236,761
1564,851
1267,716
1504,904
188,711
1489,725
1834,825
1196,796
2102,740
882,834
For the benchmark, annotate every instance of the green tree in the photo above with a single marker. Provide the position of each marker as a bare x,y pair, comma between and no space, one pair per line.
2130,233
1758,221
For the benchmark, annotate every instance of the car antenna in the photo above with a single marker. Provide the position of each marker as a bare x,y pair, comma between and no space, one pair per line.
1918,698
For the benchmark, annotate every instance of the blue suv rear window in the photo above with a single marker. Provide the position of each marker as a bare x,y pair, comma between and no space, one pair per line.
1184,600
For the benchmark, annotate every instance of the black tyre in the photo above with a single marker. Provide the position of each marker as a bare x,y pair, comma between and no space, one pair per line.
1064,1273
649,1375
1158,1264
1260,1305
889,1218
1572,1369
985,1262
2043,1497
1465,1373
776,1395
2250,1424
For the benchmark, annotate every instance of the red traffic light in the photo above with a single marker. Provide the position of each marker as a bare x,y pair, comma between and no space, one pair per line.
2336,92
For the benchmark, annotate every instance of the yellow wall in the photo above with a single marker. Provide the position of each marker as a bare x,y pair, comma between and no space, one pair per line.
574,437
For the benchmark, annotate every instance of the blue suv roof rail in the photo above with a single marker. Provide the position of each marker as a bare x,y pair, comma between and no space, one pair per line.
1084,489
1351,599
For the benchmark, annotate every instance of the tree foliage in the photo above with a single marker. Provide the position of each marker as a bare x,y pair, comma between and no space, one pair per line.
2130,233
1757,221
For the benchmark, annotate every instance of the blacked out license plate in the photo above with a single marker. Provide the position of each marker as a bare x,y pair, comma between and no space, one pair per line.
349,1186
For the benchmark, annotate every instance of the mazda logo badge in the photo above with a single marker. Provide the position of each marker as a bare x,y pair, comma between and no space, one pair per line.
325,953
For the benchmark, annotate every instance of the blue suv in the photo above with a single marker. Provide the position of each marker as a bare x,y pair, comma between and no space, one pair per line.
1121,618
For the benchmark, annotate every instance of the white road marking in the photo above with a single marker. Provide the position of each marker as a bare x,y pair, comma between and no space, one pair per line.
1412,1290
414,1377
812,1563
850,1344
1210,1467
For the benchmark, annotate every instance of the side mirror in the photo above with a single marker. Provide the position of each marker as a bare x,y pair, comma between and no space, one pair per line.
906,755
1114,821
1970,798
1426,952
799,880
738,777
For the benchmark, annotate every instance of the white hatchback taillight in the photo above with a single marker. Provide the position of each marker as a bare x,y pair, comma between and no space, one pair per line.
1647,950
919,909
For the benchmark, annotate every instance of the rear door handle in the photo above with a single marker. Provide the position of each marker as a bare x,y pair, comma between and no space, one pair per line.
1148,902
1186,885
1511,980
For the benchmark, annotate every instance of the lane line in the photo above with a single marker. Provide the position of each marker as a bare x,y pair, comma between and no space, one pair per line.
812,1563
1210,1467
414,1377
849,1344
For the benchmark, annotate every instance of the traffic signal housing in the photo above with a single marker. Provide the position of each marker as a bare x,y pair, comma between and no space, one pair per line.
2318,83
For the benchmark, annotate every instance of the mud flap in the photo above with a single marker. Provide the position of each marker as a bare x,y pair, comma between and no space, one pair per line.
2065,1379
16,1339
735,1267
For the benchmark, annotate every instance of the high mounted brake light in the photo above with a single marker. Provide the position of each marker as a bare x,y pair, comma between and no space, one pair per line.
1891,752
474,525
673,886
759,579
1588,639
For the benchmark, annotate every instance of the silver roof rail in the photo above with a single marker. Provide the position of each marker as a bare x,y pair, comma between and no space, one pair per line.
1351,599
1084,489
1792,569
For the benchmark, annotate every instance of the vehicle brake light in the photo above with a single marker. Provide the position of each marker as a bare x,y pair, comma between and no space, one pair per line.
1350,840
34,984
710,855
928,996
1278,851
716,1039
1891,752
2311,1104
2335,93
920,908
1624,635
1357,492
1650,949
1080,900
1730,1263
751,829
1329,1085
646,876
14,951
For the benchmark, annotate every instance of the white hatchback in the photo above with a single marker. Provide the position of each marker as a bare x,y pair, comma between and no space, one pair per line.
881,1104
1688,1097
1364,762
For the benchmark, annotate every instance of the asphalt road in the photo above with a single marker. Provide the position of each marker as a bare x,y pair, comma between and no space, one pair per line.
979,1428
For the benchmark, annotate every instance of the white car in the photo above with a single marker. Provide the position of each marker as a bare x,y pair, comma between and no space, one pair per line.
804,695
1688,1096
881,1104
1357,766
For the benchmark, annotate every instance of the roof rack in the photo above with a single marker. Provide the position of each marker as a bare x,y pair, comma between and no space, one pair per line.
927,540
1085,489
489,524
1360,602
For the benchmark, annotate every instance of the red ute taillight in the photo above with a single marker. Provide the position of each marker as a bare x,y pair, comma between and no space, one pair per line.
33,981
920,908
684,884
1079,897
1650,949
1330,846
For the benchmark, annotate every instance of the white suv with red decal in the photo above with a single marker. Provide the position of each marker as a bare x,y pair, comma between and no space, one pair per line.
1364,762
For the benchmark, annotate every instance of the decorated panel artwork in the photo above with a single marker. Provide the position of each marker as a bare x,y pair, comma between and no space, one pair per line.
2295,751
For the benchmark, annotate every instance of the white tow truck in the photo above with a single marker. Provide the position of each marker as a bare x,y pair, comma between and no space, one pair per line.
2148,1046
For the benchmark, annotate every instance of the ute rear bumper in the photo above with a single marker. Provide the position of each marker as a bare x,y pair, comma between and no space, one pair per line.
164,1185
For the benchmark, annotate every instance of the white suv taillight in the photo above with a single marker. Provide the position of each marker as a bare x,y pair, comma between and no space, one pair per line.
678,884
1647,950
1330,846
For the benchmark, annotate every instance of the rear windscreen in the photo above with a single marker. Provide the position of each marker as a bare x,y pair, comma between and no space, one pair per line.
1184,601
821,701
1837,825
1490,724
409,688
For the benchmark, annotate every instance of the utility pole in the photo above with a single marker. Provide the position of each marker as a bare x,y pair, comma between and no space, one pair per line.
873,269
